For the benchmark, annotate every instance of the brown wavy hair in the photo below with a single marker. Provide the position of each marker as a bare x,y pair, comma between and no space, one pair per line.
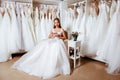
58,22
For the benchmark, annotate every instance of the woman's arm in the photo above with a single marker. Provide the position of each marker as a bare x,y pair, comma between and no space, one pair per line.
63,37
50,35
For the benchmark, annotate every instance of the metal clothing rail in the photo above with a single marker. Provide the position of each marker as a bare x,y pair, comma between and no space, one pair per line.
16,2
23,1
20,1
47,2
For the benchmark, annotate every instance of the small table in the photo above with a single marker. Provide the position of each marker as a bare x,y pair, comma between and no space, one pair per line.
76,54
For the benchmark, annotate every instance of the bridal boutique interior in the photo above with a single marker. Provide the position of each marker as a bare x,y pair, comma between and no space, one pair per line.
24,23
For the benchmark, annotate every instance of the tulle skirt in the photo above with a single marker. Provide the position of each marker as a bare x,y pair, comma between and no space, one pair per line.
110,51
48,59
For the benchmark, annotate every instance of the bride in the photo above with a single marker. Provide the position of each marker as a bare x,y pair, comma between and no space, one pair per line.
49,58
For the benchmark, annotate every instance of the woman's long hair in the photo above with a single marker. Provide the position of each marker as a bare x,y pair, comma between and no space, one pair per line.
58,22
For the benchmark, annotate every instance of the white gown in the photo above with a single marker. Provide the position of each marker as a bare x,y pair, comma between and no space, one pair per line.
91,28
81,29
49,24
0,18
65,21
4,33
43,26
102,29
19,19
48,59
113,8
27,38
37,25
28,13
74,26
14,36
80,11
111,47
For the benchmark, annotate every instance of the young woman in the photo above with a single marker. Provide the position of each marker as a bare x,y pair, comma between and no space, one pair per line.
49,58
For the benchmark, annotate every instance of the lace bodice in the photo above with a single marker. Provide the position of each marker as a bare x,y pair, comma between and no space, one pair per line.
58,33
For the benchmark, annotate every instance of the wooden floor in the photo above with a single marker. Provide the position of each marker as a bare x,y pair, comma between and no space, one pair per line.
88,70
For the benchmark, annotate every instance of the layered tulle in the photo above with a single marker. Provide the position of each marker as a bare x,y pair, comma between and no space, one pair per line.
48,59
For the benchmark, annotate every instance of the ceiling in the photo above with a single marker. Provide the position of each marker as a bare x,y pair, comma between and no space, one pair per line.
68,1
46,1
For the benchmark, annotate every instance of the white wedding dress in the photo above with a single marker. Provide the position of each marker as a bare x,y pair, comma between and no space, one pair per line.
91,28
0,18
28,14
37,25
80,11
48,59
19,20
50,24
113,8
14,35
102,28
111,47
43,26
4,33
27,38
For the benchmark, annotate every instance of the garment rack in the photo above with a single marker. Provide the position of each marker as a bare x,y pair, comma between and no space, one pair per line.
46,3
30,1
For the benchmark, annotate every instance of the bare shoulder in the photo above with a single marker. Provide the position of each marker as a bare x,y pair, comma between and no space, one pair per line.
62,30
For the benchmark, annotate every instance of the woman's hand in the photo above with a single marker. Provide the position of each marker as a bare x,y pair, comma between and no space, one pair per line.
51,35
57,35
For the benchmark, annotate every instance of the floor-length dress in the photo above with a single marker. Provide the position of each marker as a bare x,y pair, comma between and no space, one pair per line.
111,47
43,26
49,24
81,29
15,36
65,21
102,29
4,33
19,19
48,59
113,8
37,25
28,42
0,18
80,11
75,15
91,29
28,14
103,51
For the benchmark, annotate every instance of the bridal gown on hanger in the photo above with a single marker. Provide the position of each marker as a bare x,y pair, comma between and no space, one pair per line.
65,20
49,24
4,33
91,28
79,22
102,51
48,59
79,18
14,38
102,29
28,13
44,24
89,22
111,48
82,28
0,18
75,14
46,27
113,8
19,19
28,42
37,25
